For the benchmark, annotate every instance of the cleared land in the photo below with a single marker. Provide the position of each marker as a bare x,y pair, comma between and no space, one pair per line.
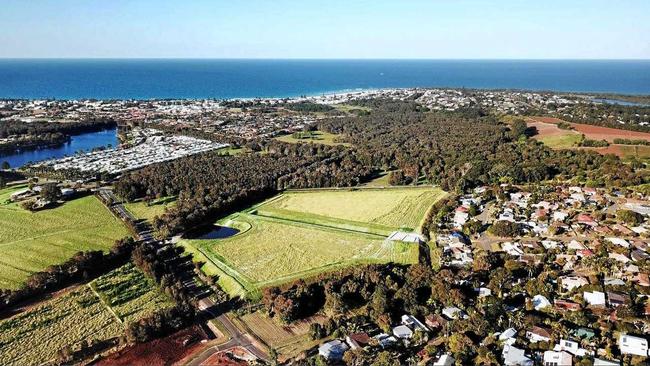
287,340
32,241
291,236
36,335
553,136
316,137
391,207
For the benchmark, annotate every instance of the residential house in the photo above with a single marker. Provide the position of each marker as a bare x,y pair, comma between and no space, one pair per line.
453,312
562,358
513,356
617,299
538,334
435,321
402,332
618,241
570,346
358,340
571,282
595,298
444,360
508,336
631,345
567,305
603,362
540,302
333,350
413,323
385,340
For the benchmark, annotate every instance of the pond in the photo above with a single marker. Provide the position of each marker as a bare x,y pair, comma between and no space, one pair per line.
82,142
213,232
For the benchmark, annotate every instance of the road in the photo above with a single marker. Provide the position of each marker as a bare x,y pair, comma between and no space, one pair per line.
206,305
238,338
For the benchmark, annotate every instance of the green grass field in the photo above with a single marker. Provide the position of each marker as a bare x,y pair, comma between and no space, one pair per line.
349,108
97,311
316,137
291,236
32,241
567,141
148,211
390,207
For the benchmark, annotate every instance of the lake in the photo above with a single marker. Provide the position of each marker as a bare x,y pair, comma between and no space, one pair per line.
82,142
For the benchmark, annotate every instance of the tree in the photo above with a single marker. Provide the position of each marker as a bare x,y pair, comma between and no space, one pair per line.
5,165
50,192
504,228
629,217
518,128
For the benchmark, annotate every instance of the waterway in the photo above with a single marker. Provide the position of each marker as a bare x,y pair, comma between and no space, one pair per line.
84,142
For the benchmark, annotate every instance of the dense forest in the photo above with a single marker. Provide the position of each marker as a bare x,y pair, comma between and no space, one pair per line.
463,149
209,184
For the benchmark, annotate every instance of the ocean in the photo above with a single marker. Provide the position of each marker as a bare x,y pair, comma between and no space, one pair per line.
198,79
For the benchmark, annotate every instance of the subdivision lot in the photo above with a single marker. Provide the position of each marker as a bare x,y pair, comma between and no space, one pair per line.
553,136
557,138
595,132
287,340
85,314
32,241
287,238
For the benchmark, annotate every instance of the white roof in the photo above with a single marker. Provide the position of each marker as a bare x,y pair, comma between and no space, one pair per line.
601,362
595,298
402,331
633,345
540,302
508,333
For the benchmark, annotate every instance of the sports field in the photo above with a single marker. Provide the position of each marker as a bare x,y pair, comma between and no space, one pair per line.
285,238
98,311
32,241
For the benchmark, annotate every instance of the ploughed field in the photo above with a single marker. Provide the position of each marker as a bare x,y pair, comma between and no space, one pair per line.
97,311
302,233
32,241
557,138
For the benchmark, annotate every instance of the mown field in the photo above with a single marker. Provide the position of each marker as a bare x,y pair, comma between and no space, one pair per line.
391,207
316,137
97,311
148,211
277,244
32,241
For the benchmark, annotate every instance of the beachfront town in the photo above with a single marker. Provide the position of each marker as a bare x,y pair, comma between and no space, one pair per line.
258,118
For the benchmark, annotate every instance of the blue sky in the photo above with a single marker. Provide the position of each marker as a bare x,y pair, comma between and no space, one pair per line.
506,29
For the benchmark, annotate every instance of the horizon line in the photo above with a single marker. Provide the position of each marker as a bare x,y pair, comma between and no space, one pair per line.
321,59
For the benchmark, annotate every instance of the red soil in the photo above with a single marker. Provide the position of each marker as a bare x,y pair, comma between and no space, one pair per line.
164,351
545,129
596,132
